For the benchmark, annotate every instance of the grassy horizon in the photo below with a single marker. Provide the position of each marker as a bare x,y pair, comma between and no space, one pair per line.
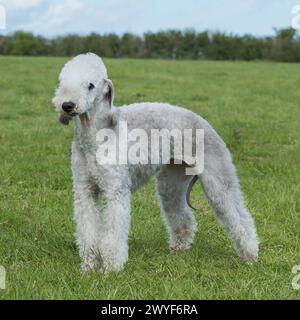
255,109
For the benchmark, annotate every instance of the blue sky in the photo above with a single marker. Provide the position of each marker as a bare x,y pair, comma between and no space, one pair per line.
55,17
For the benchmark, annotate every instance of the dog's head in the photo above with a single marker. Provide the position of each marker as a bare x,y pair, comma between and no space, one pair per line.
84,86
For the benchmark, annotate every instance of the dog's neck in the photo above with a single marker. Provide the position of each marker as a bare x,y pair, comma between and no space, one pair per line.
89,123
101,116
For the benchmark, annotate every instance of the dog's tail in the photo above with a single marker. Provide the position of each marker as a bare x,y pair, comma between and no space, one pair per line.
189,190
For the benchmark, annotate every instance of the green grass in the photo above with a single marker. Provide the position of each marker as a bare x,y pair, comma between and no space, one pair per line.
256,109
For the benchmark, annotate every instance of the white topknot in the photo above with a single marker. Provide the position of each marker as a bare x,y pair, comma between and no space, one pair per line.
86,66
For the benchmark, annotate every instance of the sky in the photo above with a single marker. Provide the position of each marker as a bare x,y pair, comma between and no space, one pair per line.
57,17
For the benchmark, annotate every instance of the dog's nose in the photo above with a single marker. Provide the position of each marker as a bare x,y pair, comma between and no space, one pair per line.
68,106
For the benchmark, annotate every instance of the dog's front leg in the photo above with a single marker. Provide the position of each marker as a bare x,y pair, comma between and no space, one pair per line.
86,213
87,220
115,229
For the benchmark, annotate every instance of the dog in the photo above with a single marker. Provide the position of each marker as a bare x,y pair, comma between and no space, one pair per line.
86,95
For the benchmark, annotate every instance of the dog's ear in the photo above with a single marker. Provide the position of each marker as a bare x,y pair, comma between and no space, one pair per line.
64,119
109,91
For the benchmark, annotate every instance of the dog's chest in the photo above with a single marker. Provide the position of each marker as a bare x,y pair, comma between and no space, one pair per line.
87,149
92,167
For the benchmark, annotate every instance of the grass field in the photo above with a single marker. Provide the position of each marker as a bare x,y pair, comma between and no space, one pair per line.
256,109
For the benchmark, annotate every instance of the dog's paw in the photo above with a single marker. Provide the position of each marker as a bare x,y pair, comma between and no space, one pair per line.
182,243
101,265
111,266
91,263
249,258
249,253
179,246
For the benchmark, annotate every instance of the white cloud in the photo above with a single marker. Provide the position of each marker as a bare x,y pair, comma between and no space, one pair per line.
20,4
80,16
49,17
53,17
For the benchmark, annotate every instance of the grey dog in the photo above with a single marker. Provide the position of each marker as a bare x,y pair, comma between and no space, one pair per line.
86,95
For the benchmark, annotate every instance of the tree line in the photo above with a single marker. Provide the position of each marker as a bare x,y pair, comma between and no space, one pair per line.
284,45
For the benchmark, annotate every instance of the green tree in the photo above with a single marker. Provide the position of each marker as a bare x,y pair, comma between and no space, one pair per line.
26,44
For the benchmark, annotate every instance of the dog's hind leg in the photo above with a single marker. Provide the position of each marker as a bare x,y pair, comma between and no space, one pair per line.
222,189
172,186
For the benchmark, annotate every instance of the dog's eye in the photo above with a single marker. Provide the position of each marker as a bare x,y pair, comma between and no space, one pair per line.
91,86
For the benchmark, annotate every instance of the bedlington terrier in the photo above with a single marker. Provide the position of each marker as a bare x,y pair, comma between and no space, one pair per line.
102,192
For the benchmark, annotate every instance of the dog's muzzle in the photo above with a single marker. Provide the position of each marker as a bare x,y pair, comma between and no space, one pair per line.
68,112
69,107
